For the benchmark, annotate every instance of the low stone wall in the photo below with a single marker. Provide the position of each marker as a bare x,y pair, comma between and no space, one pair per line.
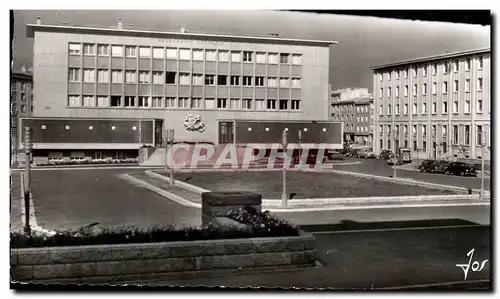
125,261
216,205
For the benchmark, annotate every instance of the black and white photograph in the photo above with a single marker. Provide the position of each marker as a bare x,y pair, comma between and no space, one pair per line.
251,149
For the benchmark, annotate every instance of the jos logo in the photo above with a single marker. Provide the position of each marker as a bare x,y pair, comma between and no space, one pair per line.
476,267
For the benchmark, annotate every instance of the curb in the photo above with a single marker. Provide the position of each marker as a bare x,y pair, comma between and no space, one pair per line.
181,184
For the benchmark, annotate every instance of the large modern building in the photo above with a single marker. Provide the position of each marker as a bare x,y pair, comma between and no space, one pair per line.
20,100
438,106
354,108
195,83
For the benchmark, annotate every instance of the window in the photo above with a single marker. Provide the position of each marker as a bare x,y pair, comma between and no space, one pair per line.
284,58
296,59
283,104
210,55
415,87
235,104
406,91
74,75
260,57
88,49
424,146
158,53
145,52
102,76
381,129
170,102
74,101
235,56
479,135
381,92
271,104
221,79
479,84
102,101
171,53
434,108
130,77
455,66
455,85
184,79
414,69
444,130
389,111
23,108
259,81
247,104
397,109
198,55
89,75
480,62
405,130
445,67
247,56
295,105
171,78
75,49
157,77
223,55
129,101
467,85
434,68
467,64
260,104
116,76
467,134
444,107
424,130
130,51
424,108
414,129
183,103
424,71
185,54
424,89
479,106
144,77
296,83
434,87
235,80
381,110
144,102
272,58
196,103
197,79
389,76
405,109
467,106
117,51
284,82
455,107
389,92
397,74
445,87
210,80
397,91
116,101
222,104
157,102
415,108
247,81
381,77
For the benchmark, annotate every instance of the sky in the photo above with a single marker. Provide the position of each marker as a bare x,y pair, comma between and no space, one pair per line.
362,41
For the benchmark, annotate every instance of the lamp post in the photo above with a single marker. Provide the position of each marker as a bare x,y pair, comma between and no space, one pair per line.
28,145
483,145
284,143
168,146
395,153
300,139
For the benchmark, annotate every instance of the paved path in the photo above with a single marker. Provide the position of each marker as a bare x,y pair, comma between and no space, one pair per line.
15,202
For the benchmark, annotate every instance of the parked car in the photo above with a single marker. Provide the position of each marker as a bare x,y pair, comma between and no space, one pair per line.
365,153
460,168
385,154
424,165
438,166
393,160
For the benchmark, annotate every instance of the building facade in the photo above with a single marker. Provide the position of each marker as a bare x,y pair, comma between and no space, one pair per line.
354,108
438,106
193,83
21,105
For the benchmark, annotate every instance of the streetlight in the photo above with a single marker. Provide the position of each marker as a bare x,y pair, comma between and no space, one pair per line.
28,145
284,143
483,145
395,153
170,141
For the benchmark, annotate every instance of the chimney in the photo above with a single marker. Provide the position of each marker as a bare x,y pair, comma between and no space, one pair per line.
39,20
131,26
183,29
120,23
23,68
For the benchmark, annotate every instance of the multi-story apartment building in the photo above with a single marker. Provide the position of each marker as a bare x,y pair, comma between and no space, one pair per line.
20,100
354,108
179,80
438,106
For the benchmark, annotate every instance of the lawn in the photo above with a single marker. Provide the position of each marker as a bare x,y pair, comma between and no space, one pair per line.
303,184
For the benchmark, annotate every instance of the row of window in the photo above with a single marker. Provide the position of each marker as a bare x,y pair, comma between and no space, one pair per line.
184,54
158,77
444,132
479,87
359,129
445,66
347,117
67,127
171,102
350,108
444,108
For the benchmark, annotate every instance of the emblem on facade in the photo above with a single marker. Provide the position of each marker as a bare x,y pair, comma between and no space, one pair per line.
194,123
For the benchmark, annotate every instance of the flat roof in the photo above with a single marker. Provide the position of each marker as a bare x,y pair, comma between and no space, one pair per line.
31,28
434,57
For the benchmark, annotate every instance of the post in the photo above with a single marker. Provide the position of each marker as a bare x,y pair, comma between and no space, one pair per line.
395,154
300,138
170,145
284,143
483,145
28,144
